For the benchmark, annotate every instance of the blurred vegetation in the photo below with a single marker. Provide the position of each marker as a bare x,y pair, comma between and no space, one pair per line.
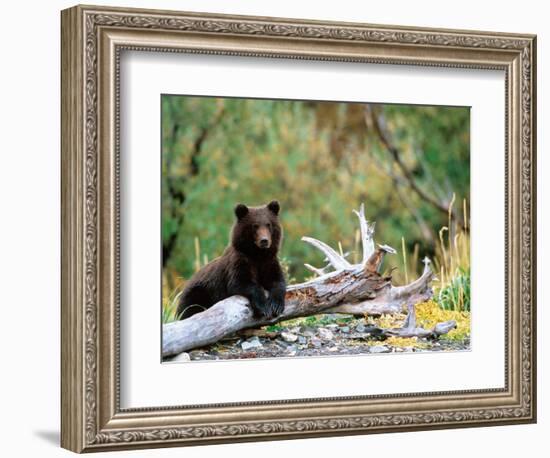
410,165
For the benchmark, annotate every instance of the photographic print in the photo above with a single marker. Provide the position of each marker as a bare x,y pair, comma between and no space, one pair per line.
310,228
322,226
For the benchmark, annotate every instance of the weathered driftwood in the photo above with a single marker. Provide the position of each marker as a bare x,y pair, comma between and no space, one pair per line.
391,299
409,328
350,288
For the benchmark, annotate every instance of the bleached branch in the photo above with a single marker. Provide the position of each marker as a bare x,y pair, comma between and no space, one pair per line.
335,260
315,270
367,230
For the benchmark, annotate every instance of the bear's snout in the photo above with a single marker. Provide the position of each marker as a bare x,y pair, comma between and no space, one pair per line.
263,238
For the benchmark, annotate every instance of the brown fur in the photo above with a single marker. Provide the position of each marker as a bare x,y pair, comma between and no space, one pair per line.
248,267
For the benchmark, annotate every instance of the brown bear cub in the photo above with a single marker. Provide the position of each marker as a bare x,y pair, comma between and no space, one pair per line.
248,267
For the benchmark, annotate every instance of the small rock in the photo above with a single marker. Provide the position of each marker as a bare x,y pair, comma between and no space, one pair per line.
181,357
345,329
408,349
253,342
302,340
379,349
289,337
332,326
316,342
333,349
291,349
307,331
360,327
325,334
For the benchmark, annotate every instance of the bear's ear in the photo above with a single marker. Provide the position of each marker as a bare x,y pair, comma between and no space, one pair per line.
241,211
274,206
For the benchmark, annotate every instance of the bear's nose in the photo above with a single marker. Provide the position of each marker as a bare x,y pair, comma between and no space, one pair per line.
264,243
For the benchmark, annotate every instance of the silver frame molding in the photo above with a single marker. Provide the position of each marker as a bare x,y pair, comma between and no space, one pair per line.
92,40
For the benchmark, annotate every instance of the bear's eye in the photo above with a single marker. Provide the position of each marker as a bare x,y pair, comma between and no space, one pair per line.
256,226
268,225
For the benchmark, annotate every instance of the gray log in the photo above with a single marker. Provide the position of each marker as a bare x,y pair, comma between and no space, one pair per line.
233,314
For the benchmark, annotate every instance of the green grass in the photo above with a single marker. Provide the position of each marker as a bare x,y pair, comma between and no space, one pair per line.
456,294
451,264
170,306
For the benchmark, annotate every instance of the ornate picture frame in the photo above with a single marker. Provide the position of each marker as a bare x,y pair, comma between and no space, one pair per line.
93,39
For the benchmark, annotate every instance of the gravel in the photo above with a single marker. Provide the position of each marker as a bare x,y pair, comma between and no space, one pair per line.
351,337
379,349
289,337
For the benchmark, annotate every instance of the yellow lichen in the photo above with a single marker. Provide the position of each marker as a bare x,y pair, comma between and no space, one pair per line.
387,321
429,313
406,342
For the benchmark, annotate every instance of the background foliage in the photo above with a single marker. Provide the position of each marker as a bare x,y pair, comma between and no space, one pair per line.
408,164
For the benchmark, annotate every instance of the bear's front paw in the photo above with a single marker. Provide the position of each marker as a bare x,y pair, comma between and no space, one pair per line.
275,306
261,313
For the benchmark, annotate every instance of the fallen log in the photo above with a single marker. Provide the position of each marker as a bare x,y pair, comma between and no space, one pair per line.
350,288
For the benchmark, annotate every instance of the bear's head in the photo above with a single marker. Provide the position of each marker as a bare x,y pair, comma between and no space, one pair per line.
257,229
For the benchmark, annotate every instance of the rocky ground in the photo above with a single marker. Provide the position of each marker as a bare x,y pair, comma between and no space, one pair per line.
321,335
